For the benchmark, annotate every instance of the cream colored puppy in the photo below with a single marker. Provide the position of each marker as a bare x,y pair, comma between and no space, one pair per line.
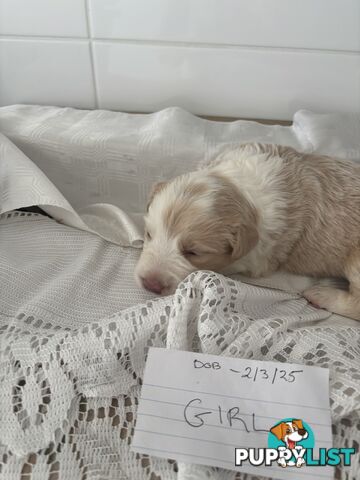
255,210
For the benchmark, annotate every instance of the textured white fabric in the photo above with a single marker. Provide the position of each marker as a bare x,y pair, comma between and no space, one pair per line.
75,329
112,159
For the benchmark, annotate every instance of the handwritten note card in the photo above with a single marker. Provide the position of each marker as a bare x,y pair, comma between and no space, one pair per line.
198,408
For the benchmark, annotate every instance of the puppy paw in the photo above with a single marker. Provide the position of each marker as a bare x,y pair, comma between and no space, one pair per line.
300,462
320,296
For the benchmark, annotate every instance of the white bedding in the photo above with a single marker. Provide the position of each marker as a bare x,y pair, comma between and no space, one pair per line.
74,328
100,165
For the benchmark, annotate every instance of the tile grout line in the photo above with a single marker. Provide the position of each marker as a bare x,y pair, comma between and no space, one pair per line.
91,51
176,43
42,38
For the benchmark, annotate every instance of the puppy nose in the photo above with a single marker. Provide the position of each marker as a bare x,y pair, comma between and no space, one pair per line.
302,431
152,284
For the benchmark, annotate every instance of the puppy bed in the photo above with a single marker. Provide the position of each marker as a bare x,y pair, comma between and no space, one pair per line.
74,327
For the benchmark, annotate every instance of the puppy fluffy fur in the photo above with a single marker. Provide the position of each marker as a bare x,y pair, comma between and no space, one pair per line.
255,210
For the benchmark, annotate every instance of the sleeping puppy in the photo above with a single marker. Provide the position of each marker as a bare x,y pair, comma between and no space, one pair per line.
255,210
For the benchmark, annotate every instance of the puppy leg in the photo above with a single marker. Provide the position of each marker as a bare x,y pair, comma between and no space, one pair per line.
336,300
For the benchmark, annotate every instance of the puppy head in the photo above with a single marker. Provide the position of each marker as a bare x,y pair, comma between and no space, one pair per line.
290,432
199,221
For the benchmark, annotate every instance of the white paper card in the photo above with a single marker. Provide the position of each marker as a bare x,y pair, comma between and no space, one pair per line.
197,408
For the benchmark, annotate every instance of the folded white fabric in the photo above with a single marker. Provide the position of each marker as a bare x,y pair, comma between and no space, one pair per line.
331,134
23,184
94,169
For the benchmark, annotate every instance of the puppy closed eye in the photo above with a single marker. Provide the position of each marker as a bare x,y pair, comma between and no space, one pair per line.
147,235
190,253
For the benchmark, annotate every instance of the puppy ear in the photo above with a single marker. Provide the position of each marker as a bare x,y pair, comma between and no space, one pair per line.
243,239
277,431
155,190
299,424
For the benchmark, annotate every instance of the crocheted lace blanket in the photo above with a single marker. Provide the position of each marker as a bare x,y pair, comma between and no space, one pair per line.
75,329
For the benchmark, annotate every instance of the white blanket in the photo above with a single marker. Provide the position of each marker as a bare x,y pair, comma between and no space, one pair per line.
98,166
74,328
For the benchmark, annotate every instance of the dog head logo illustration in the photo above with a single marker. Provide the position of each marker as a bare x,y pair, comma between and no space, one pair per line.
290,435
290,432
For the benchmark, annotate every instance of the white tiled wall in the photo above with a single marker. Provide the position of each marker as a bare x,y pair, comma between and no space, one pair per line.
243,58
